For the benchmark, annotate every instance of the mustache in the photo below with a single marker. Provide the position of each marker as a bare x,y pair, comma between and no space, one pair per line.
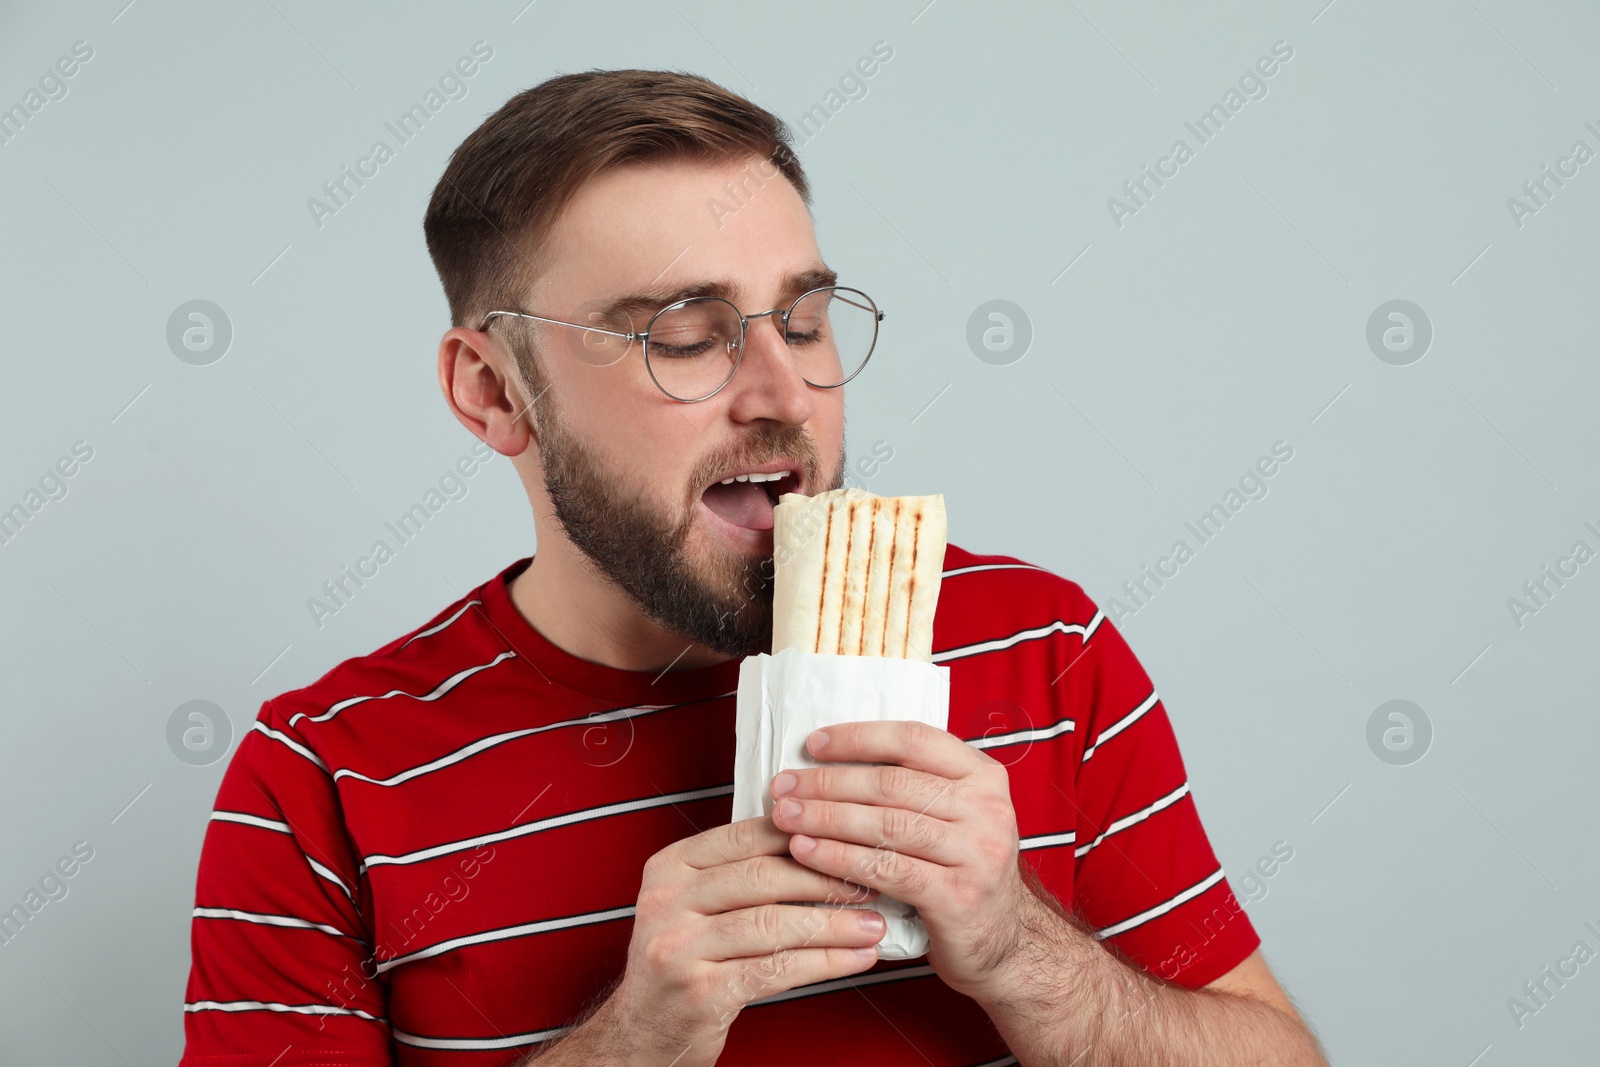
762,446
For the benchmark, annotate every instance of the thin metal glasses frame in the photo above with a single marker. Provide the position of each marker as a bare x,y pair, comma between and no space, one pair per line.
643,336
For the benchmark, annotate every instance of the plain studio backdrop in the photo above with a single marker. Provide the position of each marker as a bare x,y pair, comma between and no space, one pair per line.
1380,258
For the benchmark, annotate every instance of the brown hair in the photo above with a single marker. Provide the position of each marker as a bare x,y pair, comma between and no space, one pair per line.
507,182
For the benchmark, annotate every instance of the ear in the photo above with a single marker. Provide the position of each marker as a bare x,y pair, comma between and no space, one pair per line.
481,385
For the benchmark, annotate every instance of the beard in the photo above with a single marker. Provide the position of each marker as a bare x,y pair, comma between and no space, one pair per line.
722,601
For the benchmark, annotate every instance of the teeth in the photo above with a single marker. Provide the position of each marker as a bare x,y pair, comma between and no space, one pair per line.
774,476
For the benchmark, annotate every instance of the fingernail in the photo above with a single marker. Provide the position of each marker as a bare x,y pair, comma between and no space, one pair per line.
871,922
800,844
784,783
789,808
818,740
868,953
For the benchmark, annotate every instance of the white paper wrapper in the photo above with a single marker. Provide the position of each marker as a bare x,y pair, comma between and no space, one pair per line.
785,696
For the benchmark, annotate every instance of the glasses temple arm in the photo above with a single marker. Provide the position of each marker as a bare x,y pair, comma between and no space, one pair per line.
562,322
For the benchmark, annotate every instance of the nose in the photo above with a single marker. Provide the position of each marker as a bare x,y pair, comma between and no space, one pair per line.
767,384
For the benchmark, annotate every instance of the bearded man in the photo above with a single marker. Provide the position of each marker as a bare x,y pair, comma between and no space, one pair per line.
504,836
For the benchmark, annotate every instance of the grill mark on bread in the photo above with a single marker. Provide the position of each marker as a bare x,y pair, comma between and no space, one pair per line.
911,596
844,574
822,586
894,542
866,579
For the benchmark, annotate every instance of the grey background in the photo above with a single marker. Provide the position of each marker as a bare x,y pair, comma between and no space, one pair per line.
1168,354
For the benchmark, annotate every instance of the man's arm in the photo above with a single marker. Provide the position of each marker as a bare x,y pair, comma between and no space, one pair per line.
926,818
281,957
1062,998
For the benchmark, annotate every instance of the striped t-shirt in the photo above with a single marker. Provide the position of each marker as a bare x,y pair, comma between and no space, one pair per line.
431,854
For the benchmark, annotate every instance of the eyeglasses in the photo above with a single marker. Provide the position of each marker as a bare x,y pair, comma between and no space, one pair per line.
692,347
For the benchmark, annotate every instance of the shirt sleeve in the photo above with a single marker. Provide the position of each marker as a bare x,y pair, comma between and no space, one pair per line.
1145,876
282,968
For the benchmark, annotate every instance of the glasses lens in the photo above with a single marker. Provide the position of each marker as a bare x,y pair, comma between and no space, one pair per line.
831,335
692,347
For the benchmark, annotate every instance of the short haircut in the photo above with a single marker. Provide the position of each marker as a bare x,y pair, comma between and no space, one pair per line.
506,184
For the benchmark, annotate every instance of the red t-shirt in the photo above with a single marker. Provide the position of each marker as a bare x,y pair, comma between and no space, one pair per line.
431,854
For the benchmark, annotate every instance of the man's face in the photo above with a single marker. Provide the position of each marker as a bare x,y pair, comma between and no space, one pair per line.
633,476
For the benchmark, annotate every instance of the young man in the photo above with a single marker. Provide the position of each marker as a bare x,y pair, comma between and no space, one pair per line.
506,833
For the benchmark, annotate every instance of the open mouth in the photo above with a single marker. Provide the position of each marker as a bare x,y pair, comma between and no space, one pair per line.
746,500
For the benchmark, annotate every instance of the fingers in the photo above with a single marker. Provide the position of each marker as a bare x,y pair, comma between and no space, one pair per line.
766,880
910,744
764,976
892,873
896,829
736,841
889,785
771,928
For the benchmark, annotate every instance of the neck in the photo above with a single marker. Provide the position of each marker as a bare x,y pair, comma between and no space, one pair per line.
579,611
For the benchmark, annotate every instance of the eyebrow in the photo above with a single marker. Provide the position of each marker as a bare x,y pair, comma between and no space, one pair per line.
636,308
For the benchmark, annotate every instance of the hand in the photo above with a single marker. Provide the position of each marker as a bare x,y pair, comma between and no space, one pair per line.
709,936
932,826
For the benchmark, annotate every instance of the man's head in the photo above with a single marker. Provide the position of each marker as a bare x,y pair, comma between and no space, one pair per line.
572,200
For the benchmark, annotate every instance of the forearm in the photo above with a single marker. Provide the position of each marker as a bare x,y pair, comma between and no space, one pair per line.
1063,999
592,1038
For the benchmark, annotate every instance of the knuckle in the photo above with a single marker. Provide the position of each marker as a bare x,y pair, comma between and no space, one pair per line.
769,926
991,807
999,773
883,865
755,841
769,872
703,985
731,926
662,861
724,877
897,782
656,897
912,879
737,879
763,973
742,835
660,952
911,829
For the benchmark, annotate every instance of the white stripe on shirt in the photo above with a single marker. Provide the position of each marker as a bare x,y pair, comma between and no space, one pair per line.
1047,840
245,819
435,629
485,743
269,920
1086,629
328,874
507,933
471,1044
1017,737
992,567
1137,817
620,808
267,1005
283,738
1122,724
1161,909
440,690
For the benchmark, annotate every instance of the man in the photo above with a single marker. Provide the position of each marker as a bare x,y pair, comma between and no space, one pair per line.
505,834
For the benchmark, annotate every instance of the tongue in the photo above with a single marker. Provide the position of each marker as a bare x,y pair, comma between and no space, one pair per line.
741,503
